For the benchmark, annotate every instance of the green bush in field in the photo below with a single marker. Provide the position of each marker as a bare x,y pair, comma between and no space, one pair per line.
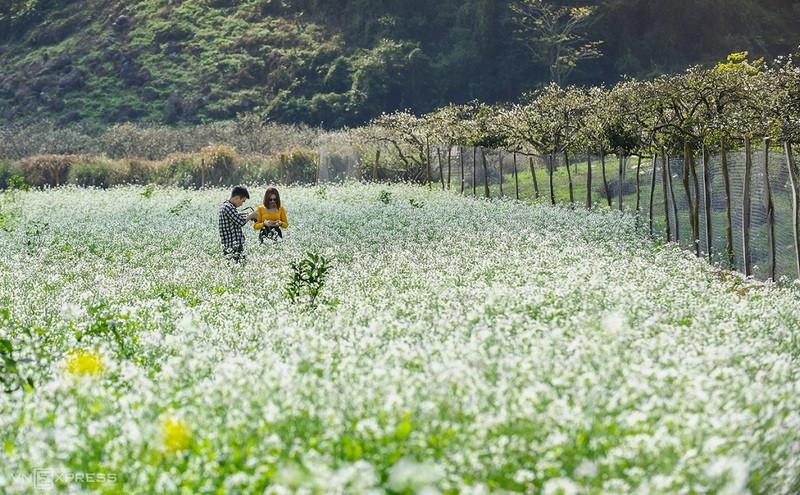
258,169
141,171
217,165
298,165
99,172
7,170
177,169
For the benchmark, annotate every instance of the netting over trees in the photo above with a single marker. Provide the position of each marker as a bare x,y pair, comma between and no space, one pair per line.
641,182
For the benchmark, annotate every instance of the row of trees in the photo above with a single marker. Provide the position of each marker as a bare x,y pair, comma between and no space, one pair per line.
690,115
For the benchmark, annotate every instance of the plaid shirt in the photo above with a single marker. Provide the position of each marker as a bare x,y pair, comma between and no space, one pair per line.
230,225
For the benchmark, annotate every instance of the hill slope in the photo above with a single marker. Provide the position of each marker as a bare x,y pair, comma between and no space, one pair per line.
330,63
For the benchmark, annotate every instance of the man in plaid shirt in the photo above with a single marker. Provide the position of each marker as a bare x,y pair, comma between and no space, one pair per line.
231,222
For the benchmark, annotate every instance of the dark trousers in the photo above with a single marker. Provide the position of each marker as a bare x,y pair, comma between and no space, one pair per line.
270,233
234,253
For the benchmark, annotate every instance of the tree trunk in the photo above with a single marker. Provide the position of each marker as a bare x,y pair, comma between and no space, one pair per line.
665,187
516,178
485,173
569,178
687,186
621,177
748,165
375,165
707,203
588,181
449,165
696,211
638,188
428,165
551,159
770,214
652,191
605,179
677,235
500,165
441,168
474,170
461,159
533,178
794,177
726,179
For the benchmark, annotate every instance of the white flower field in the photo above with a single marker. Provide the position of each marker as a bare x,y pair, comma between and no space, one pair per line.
457,346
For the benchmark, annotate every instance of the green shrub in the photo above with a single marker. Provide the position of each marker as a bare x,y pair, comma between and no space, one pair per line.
8,169
177,169
217,165
141,171
258,169
98,172
298,165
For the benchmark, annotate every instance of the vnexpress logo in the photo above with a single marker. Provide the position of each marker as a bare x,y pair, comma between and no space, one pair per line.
45,479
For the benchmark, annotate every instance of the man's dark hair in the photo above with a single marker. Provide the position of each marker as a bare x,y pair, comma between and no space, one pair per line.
240,191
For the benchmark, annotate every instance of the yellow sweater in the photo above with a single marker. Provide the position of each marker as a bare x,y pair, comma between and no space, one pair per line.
266,215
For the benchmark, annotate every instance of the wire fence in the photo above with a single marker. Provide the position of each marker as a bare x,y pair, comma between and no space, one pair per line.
761,244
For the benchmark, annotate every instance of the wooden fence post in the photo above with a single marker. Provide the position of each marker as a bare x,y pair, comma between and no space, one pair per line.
726,179
589,181
652,191
794,179
770,214
707,202
748,165
533,178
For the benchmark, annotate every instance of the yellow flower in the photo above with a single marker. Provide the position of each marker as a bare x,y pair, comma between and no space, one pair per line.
84,362
176,434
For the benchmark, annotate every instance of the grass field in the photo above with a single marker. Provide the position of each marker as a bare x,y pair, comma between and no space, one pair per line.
456,346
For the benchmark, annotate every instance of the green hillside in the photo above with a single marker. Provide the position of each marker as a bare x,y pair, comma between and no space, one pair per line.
331,63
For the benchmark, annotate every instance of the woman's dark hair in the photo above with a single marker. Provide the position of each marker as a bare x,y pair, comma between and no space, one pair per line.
271,191
240,191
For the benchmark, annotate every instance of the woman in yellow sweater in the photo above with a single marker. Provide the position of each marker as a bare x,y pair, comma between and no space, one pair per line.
271,216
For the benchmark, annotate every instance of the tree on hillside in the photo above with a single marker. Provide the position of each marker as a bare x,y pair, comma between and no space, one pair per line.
554,35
